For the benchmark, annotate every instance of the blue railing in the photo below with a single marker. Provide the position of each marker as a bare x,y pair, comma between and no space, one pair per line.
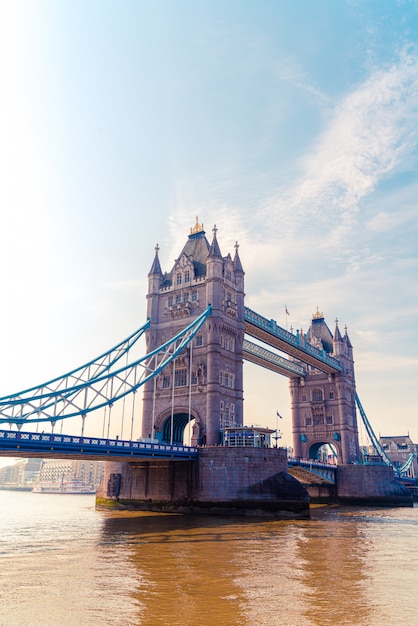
14,442
324,470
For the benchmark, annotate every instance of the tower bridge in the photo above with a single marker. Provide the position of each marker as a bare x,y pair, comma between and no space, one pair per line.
197,335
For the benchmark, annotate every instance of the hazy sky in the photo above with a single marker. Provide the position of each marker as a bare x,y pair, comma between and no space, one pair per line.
291,124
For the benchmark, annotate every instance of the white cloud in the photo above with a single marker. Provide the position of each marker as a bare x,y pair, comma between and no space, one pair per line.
369,134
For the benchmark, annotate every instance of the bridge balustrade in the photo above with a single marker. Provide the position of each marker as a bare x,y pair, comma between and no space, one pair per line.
38,442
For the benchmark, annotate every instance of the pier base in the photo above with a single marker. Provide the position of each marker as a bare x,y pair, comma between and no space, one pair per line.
371,485
223,481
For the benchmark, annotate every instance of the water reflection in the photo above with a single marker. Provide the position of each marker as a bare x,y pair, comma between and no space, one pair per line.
64,563
214,570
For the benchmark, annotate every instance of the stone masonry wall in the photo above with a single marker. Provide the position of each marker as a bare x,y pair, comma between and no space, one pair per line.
371,484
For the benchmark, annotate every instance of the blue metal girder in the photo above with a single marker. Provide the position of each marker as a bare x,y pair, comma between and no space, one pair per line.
374,440
45,405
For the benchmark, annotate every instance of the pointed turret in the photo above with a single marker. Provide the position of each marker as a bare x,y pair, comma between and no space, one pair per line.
337,334
214,248
237,261
214,271
156,267
337,340
155,279
347,339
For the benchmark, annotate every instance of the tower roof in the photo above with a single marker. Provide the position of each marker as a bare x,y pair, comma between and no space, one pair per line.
197,249
319,331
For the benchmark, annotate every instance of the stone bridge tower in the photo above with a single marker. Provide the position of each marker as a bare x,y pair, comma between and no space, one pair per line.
212,396
323,405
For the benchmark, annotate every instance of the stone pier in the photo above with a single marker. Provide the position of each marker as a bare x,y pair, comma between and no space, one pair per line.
371,485
223,481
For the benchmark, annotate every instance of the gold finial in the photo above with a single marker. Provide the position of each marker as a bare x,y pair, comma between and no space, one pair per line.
317,315
197,228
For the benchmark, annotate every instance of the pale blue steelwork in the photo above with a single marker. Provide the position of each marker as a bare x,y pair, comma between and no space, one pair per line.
93,394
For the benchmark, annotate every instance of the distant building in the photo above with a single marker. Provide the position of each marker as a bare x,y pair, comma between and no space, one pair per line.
90,472
26,472
399,449
21,474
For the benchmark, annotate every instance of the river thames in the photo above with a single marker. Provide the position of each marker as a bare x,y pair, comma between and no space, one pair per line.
63,563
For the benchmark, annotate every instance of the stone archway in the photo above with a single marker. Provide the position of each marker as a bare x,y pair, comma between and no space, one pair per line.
180,421
318,451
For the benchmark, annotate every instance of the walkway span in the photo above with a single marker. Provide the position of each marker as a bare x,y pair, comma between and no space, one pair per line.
296,346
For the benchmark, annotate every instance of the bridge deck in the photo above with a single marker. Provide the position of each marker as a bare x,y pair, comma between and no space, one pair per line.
40,445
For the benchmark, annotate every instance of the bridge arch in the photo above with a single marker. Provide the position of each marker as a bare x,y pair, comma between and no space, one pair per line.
181,420
314,449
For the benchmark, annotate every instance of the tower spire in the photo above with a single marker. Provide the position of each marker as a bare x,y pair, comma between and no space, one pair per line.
215,251
156,267
237,260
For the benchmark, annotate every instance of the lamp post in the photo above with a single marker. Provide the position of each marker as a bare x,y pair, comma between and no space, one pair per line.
278,434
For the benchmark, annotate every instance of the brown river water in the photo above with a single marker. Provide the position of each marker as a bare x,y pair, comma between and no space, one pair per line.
65,564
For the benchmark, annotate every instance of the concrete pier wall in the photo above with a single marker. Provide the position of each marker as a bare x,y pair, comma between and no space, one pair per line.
233,481
371,485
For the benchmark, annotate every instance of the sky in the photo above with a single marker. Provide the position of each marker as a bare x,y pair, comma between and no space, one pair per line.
291,125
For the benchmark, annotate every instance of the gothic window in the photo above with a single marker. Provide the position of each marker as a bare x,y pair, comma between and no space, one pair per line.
186,296
318,419
199,341
331,395
317,395
308,421
180,379
329,419
304,397
178,299
194,378
170,301
166,382
194,295
178,279
187,277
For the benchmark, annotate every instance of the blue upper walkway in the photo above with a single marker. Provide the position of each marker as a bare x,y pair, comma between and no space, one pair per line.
296,346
